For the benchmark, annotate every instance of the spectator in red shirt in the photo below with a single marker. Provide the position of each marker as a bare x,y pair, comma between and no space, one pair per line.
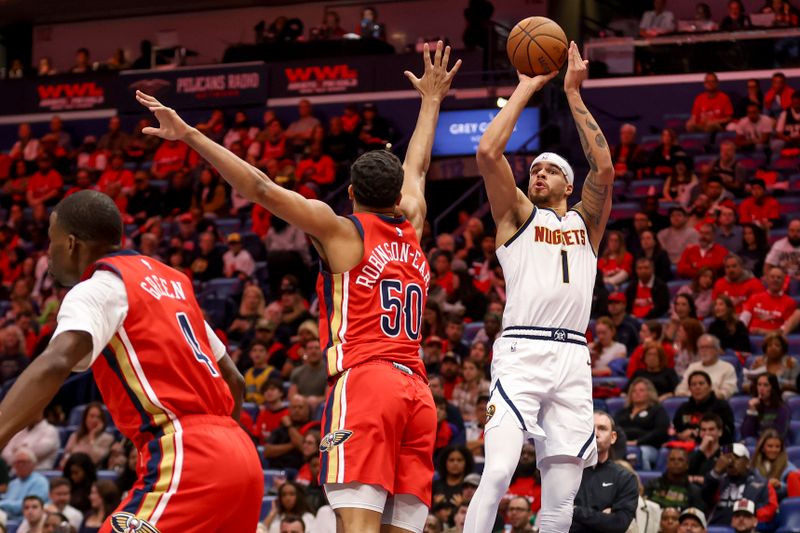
44,187
170,157
651,331
738,284
316,167
759,208
779,96
616,263
767,311
83,181
647,296
712,109
273,147
627,155
351,119
705,253
90,157
443,273
116,172
272,410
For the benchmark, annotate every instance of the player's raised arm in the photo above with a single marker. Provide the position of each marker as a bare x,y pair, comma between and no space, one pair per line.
311,216
595,204
501,187
433,87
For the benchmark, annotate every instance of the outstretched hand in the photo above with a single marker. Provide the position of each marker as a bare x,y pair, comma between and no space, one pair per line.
436,79
536,81
170,125
577,69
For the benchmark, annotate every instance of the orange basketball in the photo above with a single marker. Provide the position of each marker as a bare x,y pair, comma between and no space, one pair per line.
537,45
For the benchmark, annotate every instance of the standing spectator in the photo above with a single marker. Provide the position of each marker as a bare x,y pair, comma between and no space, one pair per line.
700,291
722,373
775,361
767,311
257,375
705,455
673,488
754,249
608,494
616,263
702,401
706,253
730,172
753,131
300,133
759,208
679,234
787,130
33,514
26,147
681,182
732,479
731,332
59,502
237,260
647,296
658,21
736,19
712,109
82,62
628,157
369,27
779,95
41,438
310,378
473,385
115,139
644,421
738,284
26,483
209,195
650,248
766,409
45,185
655,370
90,437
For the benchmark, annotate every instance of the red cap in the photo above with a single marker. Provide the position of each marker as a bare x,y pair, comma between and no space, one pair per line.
617,297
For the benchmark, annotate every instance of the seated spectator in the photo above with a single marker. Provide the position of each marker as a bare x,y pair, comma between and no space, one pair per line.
647,296
41,438
455,462
787,130
178,196
754,248
273,409
45,185
26,147
754,130
706,253
284,447
668,521
474,429
766,409
628,156
170,157
688,333
207,263
237,260
767,311
26,483
300,133
369,27
115,139
519,516
650,248
616,263
644,421
700,290
117,173
730,172
712,109
785,253
274,145
140,146
105,497
310,378
90,156
771,462
736,20
775,361
753,95
81,473
605,349
673,488
633,232
612,509
16,186
338,143
675,238
454,336
59,502
778,97
250,315
258,374
330,29
731,332
82,62
627,327
732,479
375,131
681,182
702,400
33,515
738,284
662,159
707,452
729,233
759,208
146,200
473,385
722,373
90,437
291,502
209,195
316,167
655,370
692,519
658,21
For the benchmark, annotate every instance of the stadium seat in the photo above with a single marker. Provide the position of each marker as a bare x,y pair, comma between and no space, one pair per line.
641,188
50,474
159,184
252,409
672,404
63,434
737,365
633,454
266,506
793,452
675,285
756,341
650,141
646,476
228,225
739,406
625,210
794,431
610,381
76,414
794,404
12,526
719,529
661,462
110,475
253,244
752,161
472,329
613,405
260,450
789,516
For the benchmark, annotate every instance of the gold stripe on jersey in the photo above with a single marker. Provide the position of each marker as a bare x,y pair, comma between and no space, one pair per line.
335,418
335,322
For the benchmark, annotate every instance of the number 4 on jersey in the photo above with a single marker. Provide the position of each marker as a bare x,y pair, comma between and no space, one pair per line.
191,338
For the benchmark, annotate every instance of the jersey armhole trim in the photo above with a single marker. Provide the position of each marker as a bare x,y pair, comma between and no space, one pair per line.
521,229
357,224
324,268
588,231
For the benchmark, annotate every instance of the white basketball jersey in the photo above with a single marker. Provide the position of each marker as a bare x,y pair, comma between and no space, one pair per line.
550,268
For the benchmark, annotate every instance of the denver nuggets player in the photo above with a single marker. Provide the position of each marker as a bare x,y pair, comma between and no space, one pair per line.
541,378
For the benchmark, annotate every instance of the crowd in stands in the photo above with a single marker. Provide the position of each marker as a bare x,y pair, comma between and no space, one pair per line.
773,14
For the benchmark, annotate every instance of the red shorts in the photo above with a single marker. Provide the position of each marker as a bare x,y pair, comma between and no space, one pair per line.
379,428
206,477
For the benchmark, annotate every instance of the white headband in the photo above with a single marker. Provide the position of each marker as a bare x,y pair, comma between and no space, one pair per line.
558,161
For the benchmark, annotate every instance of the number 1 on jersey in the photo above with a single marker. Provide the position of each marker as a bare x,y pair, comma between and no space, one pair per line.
565,265
191,338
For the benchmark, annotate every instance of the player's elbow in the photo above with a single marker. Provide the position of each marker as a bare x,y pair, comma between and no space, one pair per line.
487,152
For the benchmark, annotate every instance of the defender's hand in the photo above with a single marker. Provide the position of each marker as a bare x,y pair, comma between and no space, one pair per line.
171,126
436,79
577,69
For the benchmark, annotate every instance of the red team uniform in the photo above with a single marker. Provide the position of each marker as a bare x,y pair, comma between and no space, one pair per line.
379,424
198,471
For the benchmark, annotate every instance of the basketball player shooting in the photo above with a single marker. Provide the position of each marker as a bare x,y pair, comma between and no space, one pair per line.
379,424
541,373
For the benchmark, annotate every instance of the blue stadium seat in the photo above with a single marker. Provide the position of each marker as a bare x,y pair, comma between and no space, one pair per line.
752,161
599,404
63,434
794,404
789,516
613,405
794,343
737,365
266,506
793,452
661,462
50,474
672,404
252,409
110,475
223,287
610,381
76,414
633,454
472,329
755,342
625,210
260,450
719,529
228,225
739,406
794,432
160,184
12,526
646,476
675,285
253,244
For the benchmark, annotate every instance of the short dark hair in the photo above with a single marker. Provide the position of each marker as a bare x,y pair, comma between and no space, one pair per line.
700,373
83,50
715,418
91,216
377,178
59,482
610,418
291,519
274,383
33,497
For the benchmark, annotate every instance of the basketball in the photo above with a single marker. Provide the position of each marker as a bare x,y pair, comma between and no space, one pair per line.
537,45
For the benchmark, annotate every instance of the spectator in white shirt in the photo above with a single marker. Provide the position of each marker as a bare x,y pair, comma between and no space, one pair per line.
237,260
605,349
658,21
785,253
60,493
26,147
41,437
723,374
753,131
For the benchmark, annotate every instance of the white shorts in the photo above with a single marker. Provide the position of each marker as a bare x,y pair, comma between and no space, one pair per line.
403,511
546,386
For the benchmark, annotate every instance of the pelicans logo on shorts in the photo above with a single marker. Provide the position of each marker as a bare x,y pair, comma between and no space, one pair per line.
128,523
333,439
490,409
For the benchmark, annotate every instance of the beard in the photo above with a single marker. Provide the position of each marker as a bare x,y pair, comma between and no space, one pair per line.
794,241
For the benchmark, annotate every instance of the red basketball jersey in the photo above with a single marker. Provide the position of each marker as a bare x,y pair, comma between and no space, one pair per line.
374,311
159,366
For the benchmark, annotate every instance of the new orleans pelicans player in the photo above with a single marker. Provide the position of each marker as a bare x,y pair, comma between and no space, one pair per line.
541,378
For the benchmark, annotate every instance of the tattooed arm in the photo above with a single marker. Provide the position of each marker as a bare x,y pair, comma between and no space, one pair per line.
595,204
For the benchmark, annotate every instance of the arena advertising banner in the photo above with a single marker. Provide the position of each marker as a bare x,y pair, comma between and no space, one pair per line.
330,76
459,132
71,93
240,84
